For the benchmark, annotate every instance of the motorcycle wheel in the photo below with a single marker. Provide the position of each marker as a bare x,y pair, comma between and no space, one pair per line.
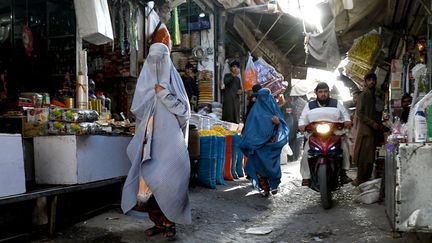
326,196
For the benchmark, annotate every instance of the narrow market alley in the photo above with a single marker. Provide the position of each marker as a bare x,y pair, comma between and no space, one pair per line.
237,213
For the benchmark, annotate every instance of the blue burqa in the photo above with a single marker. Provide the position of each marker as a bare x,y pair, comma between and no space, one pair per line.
263,154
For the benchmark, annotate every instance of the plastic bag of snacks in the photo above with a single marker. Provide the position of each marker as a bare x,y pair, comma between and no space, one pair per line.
265,72
56,114
76,115
56,128
82,128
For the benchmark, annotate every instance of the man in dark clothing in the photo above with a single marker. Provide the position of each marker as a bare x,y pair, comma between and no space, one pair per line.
231,94
189,81
368,126
406,102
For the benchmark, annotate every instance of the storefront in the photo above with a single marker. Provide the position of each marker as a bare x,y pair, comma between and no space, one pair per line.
67,87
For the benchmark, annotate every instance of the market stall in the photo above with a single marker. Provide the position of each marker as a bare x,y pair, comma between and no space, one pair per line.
409,148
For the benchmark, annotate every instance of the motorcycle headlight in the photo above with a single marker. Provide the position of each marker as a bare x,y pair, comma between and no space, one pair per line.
323,128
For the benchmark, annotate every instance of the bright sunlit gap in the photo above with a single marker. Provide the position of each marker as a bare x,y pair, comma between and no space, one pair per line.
331,79
234,188
308,11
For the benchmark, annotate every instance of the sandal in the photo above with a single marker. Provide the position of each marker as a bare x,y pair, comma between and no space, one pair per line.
154,230
170,232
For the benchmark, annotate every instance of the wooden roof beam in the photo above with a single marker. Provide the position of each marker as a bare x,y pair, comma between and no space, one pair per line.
265,49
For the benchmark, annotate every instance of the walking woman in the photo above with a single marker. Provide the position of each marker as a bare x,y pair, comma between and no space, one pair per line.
160,167
262,140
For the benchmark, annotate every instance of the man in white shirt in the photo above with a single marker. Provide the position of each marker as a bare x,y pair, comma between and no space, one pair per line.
324,108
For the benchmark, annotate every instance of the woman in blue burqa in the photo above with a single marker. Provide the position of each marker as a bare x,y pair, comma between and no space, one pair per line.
159,175
262,140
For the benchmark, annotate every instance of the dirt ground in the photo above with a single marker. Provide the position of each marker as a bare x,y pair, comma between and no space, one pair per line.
235,212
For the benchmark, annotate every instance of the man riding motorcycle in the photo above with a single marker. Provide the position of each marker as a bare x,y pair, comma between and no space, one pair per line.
323,100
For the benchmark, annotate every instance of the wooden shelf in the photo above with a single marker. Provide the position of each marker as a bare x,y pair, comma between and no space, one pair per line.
61,36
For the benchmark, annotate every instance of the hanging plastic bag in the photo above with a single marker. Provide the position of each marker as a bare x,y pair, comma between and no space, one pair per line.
94,21
285,152
250,75
225,70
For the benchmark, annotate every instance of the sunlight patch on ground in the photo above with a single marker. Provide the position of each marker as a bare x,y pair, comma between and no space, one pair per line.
234,188
251,193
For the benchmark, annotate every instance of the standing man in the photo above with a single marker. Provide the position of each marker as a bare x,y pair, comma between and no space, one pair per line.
333,109
189,81
190,85
364,148
231,94
406,103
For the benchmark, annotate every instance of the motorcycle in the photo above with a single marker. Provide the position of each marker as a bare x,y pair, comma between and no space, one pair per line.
325,159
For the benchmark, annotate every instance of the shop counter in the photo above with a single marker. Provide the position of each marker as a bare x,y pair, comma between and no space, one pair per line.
12,176
408,191
71,159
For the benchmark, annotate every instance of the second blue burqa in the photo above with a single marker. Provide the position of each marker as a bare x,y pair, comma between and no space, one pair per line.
263,154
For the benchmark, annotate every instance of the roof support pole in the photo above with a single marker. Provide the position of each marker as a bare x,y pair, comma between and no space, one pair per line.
268,31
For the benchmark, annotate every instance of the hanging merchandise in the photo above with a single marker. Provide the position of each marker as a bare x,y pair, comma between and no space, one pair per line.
250,75
94,21
265,72
269,78
363,55
27,38
176,28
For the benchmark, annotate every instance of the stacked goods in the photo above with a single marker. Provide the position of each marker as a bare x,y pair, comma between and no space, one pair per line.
237,158
220,158
362,55
212,156
353,69
217,154
205,86
72,121
366,49
206,173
